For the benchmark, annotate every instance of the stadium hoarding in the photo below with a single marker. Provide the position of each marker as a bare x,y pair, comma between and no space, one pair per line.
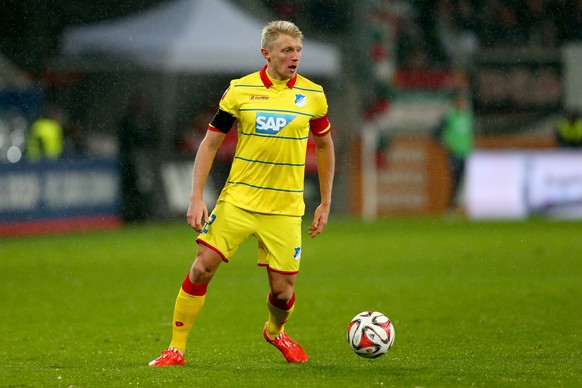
60,195
554,184
510,81
495,185
517,184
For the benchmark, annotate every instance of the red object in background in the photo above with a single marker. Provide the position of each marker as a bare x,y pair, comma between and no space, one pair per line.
225,152
425,79
381,105
52,78
311,159
68,225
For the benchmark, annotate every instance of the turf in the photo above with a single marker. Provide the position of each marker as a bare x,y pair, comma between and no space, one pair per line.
473,303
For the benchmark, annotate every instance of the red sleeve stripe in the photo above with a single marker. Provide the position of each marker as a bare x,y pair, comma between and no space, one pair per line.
211,128
320,126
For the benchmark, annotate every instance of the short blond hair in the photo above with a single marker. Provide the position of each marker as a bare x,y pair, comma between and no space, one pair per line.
275,28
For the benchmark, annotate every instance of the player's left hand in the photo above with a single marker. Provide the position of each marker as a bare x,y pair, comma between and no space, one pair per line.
319,220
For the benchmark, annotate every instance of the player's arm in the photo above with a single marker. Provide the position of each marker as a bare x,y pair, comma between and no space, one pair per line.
325,154
197,211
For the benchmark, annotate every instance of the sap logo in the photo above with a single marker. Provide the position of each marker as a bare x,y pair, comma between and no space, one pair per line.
272,123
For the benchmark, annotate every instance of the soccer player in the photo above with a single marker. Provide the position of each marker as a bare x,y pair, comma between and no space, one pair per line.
276,109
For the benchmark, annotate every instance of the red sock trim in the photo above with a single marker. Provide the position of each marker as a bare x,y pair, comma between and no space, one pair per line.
193,288
282,305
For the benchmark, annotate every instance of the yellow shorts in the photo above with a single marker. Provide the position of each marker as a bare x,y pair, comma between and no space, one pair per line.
279,237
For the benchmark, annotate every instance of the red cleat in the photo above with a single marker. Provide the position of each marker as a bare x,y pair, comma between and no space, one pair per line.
291,350
169,357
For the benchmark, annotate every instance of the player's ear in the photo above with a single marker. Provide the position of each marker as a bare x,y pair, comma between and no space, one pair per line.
266,54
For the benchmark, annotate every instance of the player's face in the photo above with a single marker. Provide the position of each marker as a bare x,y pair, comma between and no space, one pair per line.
283,58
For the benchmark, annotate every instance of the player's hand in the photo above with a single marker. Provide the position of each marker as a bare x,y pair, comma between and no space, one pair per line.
197,215
319,220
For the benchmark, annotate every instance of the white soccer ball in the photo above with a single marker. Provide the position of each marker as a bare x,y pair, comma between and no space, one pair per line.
371,334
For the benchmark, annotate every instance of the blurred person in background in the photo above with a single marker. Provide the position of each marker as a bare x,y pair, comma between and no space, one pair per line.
138,136
191,137
569,130
45,138
74,143
276,110
456,134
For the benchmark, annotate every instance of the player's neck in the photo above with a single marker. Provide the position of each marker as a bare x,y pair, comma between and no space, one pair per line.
276,78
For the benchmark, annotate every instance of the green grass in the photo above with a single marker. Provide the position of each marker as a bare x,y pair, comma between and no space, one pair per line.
489,304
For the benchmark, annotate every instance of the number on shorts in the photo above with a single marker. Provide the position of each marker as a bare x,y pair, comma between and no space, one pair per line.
210,221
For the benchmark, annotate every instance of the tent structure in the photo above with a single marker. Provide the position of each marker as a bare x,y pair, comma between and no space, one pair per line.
189,36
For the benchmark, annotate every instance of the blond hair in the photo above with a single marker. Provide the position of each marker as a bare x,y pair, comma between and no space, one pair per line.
275,28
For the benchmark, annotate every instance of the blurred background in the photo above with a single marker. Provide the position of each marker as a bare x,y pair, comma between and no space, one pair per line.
465,108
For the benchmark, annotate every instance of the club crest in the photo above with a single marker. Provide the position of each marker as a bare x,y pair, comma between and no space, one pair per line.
297,254
300,100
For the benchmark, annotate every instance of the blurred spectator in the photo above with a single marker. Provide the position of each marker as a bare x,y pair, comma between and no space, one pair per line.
74,142
458,32
288,10
45,138
190,138
456,133
533,16
328,15
193,135
549,36
505,30
427,15
411,48
569,130
451,31
138,136
576,20
567,17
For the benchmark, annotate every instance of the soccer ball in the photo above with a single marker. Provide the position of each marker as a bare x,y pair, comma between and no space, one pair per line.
371,334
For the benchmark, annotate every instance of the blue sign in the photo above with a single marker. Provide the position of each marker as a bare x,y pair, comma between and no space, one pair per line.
59,189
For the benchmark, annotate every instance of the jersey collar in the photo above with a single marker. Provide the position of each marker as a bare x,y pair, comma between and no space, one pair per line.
267,81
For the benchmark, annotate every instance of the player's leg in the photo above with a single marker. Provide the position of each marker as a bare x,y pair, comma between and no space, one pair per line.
220,239
229,226
192,295
280,301
280,251
189,304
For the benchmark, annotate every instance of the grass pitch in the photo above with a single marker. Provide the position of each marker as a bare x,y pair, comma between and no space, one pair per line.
489,304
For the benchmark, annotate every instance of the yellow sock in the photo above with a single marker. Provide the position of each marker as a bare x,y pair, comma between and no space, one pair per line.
278,315
188,306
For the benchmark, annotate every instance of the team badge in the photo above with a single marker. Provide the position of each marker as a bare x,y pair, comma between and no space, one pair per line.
297,254
300,100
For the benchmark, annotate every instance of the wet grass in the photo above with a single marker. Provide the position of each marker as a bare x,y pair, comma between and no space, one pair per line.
490,304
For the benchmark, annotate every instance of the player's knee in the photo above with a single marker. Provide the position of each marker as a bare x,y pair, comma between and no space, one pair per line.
201,273
204,267
282,296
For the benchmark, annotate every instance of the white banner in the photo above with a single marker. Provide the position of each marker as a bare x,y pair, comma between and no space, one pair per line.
514,184
555,182
495,185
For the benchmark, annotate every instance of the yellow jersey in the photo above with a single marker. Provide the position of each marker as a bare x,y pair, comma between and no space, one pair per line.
274,122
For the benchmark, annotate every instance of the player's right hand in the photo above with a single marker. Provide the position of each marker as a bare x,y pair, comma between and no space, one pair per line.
197,215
